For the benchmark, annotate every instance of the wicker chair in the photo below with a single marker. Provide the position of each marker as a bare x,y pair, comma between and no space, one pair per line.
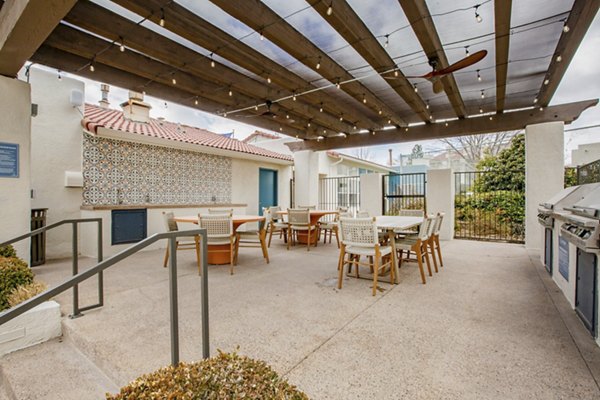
307,207
299,221
275,224
171,226
332,226
219,229
416,245
434,240
362,214
360,238
220,211
254,237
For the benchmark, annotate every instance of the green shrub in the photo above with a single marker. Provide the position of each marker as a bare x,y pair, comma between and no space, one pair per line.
13,272
25,292
7,251
226,376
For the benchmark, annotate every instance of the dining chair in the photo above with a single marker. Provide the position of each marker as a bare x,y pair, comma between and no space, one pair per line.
360,238
362,214
429,243
275,223
219,211
416,245
332,226
299,221
307,207
219,229
436,237
254,237
171,226
411,213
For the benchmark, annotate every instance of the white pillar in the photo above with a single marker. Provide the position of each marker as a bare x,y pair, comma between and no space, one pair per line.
371,194
15,129
306,174
440,198
544,173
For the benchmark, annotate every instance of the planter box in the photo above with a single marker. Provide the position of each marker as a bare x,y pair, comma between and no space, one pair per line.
37,325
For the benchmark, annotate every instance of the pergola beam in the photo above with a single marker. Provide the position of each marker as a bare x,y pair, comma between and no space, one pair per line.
581,17
349,25
502,13
192,27
508,121
65,61
24,25
420,19
261,18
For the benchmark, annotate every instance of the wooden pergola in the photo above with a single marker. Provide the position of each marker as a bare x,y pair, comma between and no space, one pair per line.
336,73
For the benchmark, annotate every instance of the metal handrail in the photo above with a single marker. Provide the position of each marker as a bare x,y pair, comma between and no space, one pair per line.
74,258
101,266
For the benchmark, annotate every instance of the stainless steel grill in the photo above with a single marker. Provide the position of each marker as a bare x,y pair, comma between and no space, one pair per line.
582,226
548,210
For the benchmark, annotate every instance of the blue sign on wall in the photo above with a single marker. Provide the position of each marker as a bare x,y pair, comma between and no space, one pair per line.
9,160
563,257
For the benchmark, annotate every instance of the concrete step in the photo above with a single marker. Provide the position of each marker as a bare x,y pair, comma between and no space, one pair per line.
52,370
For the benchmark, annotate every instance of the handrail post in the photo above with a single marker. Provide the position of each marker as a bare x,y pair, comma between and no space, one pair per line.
75,271
101,273
173,301
204,299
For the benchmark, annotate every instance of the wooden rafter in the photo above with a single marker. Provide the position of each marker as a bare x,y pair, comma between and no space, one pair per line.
420,19
349,25
581,17
502,12
61,60
259,17
509,121
197,30
24,25
105,23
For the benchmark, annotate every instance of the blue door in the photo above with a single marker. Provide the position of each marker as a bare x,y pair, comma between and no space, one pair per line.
267,188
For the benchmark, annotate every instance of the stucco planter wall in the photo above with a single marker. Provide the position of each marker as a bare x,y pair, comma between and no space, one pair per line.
37,325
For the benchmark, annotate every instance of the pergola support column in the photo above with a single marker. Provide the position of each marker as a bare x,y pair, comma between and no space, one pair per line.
306,175
544,173
440,198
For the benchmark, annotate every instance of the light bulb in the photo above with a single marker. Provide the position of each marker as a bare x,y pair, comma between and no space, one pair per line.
387,41
535,100
467,50
256,108
196,101
491,118
318,64
446,124
389,121
329,10
294,97
364,99
396,73
380,112
59,76
287,116
92,69
122,48
280,129
406,129
341,118
478,76
547,81
481,111
478,18
427,105
558,58
230,93
482,95
162,17
541,108
337,85
566,28
430,117
321,108
308,125
416,88
268,79
354,127
174,81
262,37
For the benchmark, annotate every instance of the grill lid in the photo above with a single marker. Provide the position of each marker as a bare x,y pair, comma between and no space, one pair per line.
563,194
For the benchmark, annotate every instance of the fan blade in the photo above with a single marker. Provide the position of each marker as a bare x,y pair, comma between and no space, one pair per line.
465,62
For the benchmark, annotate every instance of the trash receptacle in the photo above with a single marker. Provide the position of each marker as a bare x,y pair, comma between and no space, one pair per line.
38,242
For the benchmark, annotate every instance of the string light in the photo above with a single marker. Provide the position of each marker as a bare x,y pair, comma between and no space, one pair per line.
535,100
341,117
541,108
354,127
173,80
406,129
256,107
262,36
230,93
558,58
482,94
294,96
268,79
415,87
380,112
319,138
287,116
396,73
478,76
446,124
318,63
477,16
343,134
321,108
364,99
196,100
373,132
92,69
547,81
308,124
467,50
280,129
337,85
59,75
212,61
162,17
427,105
430,116
481,111
491,118
387,41
122,46
389,121
566,28
330,9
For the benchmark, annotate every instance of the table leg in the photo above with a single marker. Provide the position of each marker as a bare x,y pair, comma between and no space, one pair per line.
392,238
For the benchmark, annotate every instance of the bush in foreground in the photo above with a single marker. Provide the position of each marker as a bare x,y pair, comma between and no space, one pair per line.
25,292
14,272
226,376
7,251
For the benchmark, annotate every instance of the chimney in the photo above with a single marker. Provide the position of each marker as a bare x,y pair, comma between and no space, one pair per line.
135,109
104,88
390,162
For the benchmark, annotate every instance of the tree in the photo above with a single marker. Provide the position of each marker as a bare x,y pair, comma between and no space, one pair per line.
474,148
506,171
364,153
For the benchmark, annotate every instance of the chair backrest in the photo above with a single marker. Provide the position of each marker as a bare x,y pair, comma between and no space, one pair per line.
362,214
432,224
342,209
424,229
216,225
438,226
274,210
298,216
220,211
412,213
308,207
344,214
360,232
170,223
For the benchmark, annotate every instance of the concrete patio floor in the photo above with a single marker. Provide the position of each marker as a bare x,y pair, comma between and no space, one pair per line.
486,327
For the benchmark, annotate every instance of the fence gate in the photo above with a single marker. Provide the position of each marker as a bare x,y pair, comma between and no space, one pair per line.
490,205
404,192
342,191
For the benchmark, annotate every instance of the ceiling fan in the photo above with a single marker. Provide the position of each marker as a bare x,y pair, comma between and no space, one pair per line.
435,75
268,113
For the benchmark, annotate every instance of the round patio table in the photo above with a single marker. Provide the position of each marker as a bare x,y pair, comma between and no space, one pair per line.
315,216
223,256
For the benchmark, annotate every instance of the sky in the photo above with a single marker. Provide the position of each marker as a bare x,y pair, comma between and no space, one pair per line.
581,82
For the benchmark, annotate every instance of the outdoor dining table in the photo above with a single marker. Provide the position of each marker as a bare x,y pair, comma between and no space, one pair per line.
315,216
223,255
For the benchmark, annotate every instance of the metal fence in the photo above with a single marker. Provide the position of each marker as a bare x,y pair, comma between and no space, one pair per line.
404,192
490,206
588,173
341,191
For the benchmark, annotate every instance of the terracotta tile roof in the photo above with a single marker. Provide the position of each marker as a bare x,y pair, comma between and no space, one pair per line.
97,117
260,134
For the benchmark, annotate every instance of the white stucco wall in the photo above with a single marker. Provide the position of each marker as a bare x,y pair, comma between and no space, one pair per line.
585,153
371,194
55,148
544,174
15,127
306,164
440,198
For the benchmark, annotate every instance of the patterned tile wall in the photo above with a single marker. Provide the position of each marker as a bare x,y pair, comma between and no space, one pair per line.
118,172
